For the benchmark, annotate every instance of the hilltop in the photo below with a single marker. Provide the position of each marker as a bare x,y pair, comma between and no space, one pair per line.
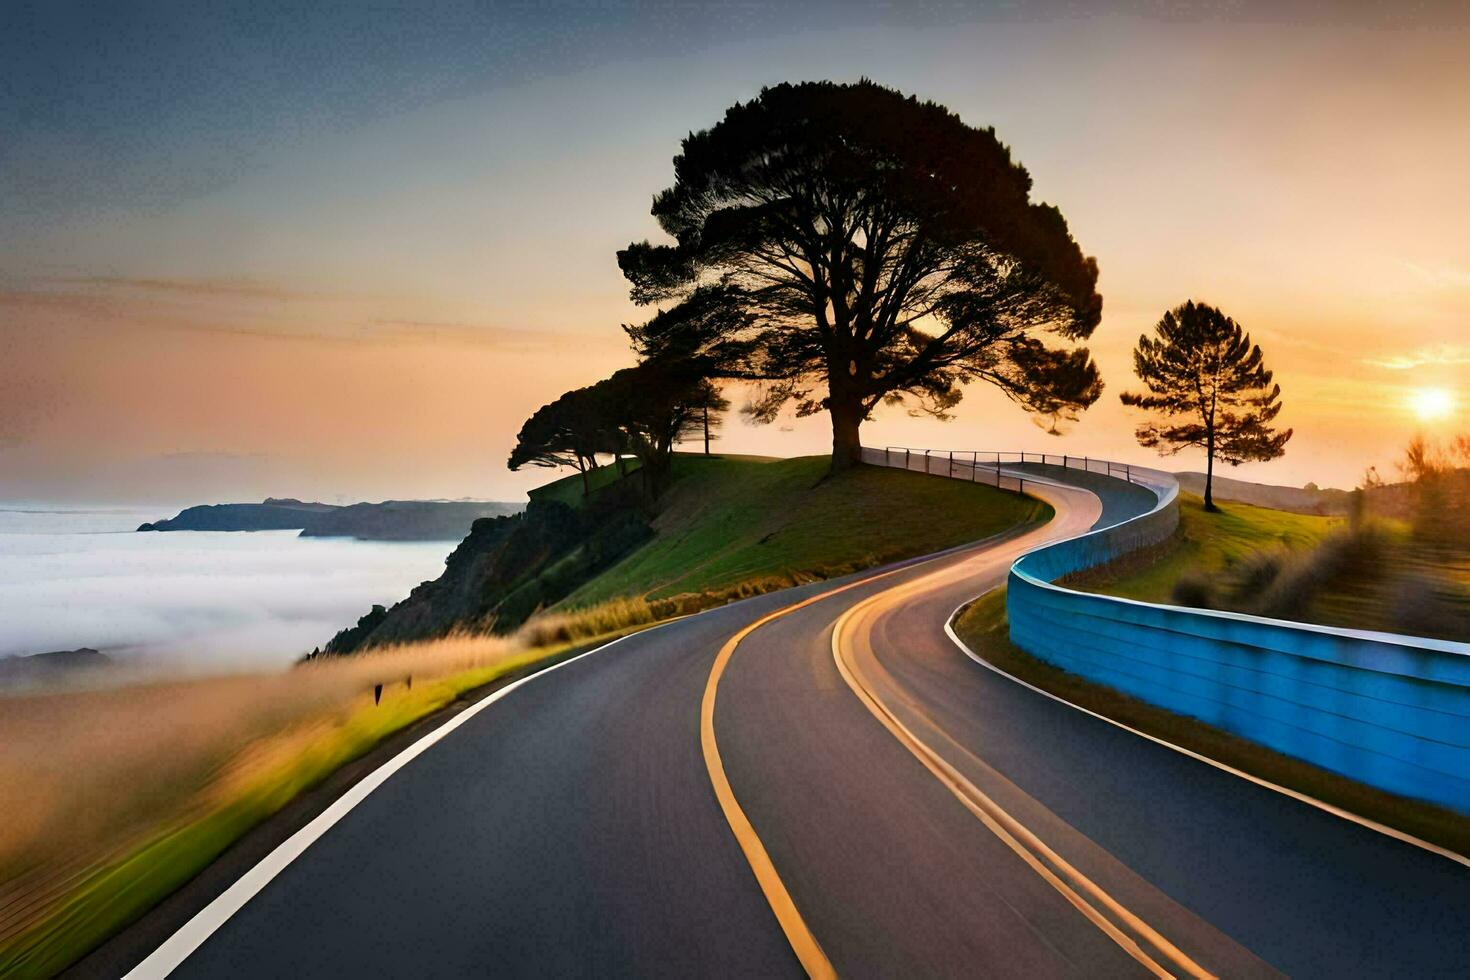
728,526
1298,500
36,669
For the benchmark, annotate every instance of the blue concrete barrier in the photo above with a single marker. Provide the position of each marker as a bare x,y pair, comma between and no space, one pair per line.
1391,711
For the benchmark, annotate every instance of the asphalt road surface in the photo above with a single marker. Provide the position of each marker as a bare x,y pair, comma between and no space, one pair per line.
922,815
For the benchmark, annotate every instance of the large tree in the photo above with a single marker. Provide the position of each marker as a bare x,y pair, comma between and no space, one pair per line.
845,245
1211,389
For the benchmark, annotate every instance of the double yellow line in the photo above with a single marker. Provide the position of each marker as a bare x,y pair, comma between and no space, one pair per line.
798,933
1101,909
1106,913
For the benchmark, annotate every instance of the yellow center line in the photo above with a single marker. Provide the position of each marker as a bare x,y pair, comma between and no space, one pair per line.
1029,847
798,934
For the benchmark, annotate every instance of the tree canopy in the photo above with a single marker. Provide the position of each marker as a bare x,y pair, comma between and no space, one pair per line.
570,431
1210,388
641,411
844,245
655,405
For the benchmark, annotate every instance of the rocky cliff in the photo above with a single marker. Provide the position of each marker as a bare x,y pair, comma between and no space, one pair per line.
506,569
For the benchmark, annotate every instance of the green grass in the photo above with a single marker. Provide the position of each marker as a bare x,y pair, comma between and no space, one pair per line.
736,522
983,627
568,489
1377,576
1206,543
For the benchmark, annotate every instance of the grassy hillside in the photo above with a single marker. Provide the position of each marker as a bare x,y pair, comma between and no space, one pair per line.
747,523
568,489
1309,569
1299,500
1208,545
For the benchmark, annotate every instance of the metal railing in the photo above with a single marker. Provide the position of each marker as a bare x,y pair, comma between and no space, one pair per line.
997,468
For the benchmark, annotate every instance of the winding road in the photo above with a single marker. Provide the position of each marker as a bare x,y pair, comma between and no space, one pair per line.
822,780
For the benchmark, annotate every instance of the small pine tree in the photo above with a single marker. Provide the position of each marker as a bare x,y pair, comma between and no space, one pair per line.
1210,387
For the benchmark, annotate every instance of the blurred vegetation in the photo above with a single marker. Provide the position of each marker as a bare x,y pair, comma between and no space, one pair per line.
187,768
1369,573
1205,548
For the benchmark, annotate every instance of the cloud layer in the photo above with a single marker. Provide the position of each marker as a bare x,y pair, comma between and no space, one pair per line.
199,601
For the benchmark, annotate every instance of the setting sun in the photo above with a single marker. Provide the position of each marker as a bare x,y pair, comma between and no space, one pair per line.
1432,403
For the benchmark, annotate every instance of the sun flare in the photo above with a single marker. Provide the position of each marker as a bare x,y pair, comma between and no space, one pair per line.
1432,403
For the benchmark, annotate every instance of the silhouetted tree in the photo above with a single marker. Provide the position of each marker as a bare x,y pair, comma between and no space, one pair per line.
1211,387
845,245
639,411
570,431
655,405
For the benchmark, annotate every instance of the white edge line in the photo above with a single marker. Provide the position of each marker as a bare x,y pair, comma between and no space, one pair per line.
1300,797
192,934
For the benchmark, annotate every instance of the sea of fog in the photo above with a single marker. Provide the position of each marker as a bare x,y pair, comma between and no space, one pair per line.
196,601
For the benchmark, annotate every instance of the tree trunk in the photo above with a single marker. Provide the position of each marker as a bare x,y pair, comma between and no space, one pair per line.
847,446
1210,473
586,483
706,428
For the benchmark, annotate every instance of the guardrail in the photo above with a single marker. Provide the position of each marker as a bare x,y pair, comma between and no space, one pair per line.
987,465
1388,710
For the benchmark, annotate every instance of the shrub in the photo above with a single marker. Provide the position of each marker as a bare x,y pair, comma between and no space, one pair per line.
587,622
1194,589
1424,605
1255,574
1352,551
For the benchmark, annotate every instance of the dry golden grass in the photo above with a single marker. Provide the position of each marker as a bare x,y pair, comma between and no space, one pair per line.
115,797
578,624
97,766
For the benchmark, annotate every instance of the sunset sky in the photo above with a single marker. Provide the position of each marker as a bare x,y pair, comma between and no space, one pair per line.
343,254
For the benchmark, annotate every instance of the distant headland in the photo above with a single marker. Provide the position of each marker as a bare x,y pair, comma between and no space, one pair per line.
391,520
